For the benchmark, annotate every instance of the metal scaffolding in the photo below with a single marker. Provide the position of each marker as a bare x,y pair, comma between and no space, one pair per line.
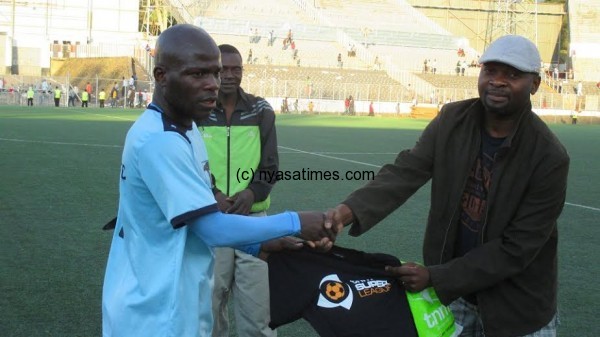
512,17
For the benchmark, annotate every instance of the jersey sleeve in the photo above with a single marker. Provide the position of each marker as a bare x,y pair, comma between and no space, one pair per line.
176,179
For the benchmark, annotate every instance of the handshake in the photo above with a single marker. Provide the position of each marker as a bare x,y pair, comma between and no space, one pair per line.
318,231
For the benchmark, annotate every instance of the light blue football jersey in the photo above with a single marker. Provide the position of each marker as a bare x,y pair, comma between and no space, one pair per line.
158,278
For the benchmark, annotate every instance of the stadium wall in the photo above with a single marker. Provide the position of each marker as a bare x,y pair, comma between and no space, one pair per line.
6,54
469,18
584,16
35,28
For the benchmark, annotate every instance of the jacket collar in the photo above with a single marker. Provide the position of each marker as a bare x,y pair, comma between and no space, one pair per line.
243,102
476,111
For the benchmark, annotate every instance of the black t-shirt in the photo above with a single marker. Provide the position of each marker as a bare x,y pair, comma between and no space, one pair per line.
474,200
342,293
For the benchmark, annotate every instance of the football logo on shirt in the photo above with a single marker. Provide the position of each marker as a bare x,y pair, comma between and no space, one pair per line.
334,293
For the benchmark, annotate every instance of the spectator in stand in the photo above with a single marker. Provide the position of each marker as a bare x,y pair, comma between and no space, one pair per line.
579,88
463,67
102,97
140,99
30,94
85,97
44,90
45,86
310,106
124,84
131,97
284,106
339,61
376,63
114,95
88,88
271,38
347,105
71,97
57,95
371,109
296,106
249,60
351,110
433,66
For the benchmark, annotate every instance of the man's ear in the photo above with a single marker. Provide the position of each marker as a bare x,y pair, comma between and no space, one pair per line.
159,74
536,84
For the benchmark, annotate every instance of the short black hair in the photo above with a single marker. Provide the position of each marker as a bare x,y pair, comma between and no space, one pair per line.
229,49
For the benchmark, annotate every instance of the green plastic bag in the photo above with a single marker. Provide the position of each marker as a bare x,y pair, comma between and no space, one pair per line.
432,318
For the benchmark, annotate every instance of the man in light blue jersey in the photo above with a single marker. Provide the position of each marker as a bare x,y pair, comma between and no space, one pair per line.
158,278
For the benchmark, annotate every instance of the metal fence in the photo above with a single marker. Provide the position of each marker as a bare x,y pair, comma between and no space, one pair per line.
269,86
129,95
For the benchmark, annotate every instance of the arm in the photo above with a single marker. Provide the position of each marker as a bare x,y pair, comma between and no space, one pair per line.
230,230
523,238
393,184
269,159
217,229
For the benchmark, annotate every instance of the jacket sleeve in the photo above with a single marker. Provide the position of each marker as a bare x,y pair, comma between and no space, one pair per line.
394,183
269,158
531,230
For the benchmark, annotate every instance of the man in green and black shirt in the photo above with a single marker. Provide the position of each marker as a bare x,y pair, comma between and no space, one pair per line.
241,142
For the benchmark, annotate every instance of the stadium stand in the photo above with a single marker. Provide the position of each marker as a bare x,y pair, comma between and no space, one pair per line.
389,41
312,53
584,16
323,83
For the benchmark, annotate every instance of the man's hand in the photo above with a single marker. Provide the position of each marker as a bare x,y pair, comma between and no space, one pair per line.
241,202
413,276
313,229
292,243
222,203
277,245
337,217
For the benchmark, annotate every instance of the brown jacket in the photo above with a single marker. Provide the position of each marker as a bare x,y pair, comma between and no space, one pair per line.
514,270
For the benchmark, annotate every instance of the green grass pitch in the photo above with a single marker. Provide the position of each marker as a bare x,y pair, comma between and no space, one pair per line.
59,172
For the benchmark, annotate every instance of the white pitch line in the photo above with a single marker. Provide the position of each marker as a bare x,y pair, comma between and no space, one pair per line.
108,116
57,143
330,157
373,165
318,154
582,206
347,153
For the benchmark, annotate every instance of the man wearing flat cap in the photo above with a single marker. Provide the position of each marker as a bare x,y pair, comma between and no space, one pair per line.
499,178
